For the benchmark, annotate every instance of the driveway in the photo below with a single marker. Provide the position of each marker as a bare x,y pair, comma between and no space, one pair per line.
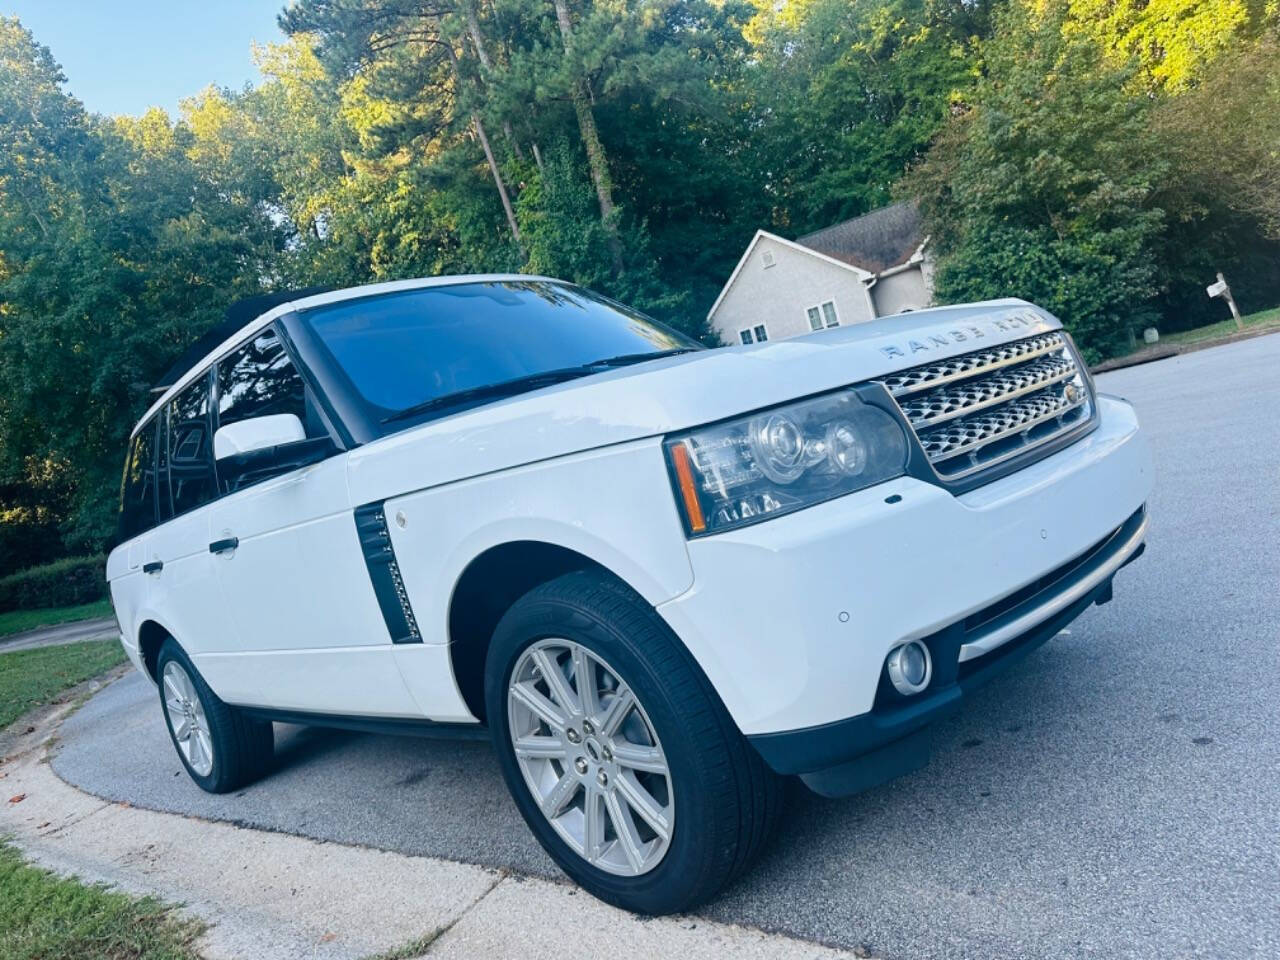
1115,795
102,629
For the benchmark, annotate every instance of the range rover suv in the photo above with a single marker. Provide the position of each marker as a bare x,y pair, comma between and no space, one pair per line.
664,577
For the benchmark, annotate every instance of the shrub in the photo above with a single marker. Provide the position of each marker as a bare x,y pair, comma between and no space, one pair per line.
63,583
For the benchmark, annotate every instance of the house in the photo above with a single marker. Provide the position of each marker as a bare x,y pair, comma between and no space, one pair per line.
867,267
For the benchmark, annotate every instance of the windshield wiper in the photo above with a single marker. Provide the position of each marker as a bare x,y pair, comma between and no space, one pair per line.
508,388
629,358
504,388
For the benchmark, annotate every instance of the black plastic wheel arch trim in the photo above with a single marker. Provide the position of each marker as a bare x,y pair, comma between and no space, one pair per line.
384,573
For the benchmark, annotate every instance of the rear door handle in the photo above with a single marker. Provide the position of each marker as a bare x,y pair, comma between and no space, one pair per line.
225,545
155,566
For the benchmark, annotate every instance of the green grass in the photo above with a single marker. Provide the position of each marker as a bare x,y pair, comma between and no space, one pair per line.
16,621
45,917
1254,321
30,678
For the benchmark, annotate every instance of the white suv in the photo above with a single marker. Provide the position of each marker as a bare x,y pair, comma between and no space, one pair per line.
663,576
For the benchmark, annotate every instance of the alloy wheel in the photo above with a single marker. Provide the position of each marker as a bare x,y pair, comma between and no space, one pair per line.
591,757
187,719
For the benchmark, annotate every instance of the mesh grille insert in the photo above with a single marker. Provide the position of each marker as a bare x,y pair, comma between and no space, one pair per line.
974,411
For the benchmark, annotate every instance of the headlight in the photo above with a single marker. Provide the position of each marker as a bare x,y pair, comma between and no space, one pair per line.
782,459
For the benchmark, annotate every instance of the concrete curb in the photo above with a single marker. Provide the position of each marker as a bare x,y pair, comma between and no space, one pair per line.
268,894
1166,350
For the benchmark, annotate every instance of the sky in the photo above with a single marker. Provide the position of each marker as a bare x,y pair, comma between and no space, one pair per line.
123,56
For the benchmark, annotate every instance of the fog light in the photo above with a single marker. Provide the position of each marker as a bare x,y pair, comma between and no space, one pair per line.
909,667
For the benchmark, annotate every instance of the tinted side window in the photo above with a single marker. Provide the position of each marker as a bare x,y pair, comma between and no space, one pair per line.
258,380
191,476
138,490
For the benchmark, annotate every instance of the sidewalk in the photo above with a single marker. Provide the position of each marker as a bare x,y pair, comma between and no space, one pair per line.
276,895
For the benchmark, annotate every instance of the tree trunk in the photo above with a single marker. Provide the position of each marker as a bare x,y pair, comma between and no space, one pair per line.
477,40
497,179
493,164
596,159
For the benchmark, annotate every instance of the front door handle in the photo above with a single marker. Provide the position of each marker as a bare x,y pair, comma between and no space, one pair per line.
225,545
154,566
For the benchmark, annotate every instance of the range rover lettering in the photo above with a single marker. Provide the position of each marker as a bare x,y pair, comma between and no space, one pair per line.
664,578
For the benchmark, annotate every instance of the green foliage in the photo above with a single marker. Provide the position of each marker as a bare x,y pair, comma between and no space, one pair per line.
62,583
1043,187
1175,43
1102,158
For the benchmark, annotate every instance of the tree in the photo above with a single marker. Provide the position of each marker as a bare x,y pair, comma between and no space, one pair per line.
1174,42
119,244
1043,187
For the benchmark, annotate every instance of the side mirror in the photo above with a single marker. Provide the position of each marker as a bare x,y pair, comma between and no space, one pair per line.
257,433
263,447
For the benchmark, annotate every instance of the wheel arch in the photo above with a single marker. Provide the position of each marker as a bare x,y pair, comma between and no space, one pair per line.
487,587
151,637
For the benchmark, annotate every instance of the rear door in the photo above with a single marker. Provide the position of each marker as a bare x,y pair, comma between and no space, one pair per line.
309,633
130,584
185,594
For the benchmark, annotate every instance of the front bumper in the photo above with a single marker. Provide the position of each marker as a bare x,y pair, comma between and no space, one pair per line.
792,619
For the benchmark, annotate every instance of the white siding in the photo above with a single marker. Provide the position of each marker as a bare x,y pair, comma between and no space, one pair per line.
777,296
907,290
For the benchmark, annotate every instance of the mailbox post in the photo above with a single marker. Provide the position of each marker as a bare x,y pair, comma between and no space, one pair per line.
1220,289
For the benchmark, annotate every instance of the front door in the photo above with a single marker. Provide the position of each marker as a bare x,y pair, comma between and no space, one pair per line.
309,634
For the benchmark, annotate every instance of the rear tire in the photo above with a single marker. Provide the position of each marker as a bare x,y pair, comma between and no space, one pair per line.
220,746
703,783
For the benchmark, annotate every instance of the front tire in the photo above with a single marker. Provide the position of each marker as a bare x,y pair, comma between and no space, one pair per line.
619,755
221,747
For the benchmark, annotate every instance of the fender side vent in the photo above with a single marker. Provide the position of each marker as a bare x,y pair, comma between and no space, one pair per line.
384,573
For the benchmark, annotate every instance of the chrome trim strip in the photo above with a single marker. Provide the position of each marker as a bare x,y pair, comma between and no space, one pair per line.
1021,428
992,401
976,371
1016,628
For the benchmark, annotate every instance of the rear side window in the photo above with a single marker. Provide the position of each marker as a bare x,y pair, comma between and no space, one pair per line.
258,380
191,476
138,489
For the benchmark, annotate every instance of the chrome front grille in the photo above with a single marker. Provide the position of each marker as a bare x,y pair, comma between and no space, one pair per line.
977,410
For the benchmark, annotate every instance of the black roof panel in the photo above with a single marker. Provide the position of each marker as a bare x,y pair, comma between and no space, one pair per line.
239,315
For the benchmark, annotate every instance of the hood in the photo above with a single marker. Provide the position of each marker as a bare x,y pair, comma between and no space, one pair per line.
676,393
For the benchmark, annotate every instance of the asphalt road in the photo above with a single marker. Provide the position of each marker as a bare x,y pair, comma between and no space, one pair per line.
80,630
1115,795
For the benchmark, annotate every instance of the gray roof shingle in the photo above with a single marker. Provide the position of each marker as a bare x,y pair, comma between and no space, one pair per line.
875,241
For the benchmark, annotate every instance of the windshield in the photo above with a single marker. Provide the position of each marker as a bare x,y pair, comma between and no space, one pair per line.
403,350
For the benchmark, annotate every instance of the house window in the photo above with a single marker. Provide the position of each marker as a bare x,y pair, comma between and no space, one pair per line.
761,334
757,334
823,316
745,336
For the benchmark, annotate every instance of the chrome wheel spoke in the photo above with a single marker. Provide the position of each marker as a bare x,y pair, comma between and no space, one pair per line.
534,747
561,693
625,829
594,823
543,708
617,711
181,726
642,802
558,797
635,757
584,678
